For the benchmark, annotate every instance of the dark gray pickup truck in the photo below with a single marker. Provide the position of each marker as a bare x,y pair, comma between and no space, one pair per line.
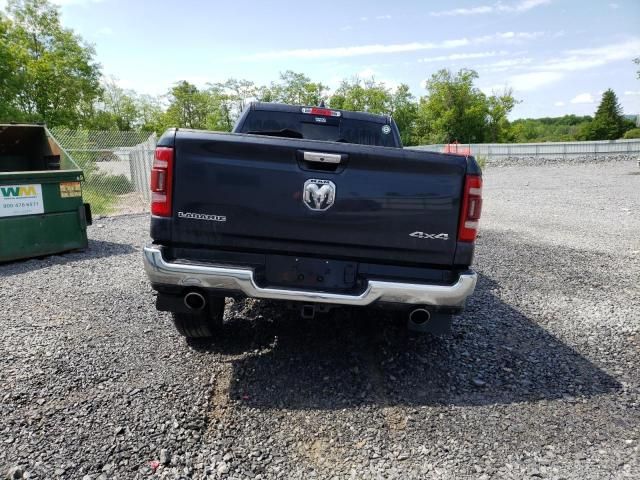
311,206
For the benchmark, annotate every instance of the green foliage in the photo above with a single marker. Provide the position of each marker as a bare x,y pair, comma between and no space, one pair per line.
367,95
362,96
498,108
111,184
550,129
188,107
227,101
404,111
294,89
101,203
608,123
116,109
633,133
9,82
453,110
52,71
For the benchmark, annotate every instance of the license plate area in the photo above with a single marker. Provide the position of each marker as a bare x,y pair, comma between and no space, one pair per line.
310,273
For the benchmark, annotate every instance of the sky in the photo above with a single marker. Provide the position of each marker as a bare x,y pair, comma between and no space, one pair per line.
557,55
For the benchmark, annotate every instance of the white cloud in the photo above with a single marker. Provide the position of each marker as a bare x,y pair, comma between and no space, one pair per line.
614,6
512,38
498,7
615,51
559,104
583,98
383,17
463,11
353,51
585,58
339,52
508,64
346,28
461,56
533,80
552,70
525,5
632,92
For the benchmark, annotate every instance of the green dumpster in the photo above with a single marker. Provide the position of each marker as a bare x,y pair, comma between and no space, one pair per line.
41,208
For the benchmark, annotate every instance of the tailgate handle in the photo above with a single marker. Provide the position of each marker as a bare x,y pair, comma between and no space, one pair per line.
321,157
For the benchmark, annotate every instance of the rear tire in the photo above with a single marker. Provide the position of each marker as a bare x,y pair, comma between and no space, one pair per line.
201,325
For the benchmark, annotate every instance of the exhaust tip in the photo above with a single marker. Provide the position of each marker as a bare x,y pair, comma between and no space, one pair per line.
420,316
194,301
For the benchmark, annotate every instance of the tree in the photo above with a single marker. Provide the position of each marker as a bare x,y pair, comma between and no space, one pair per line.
55,70
150,113
188,107
9,84
362,95
116,109
370,96
608,122
228,100
632,133
294,89
453,110
239,92
498,108
404,111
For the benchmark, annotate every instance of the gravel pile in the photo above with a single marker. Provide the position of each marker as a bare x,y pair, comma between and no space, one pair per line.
569,159
539,378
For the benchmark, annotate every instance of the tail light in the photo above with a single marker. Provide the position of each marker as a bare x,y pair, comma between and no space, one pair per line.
471,208
323,112
162,182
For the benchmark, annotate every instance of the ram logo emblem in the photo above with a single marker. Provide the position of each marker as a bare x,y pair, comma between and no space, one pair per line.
319,195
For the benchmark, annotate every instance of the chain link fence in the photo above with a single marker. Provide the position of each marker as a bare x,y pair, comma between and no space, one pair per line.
116,166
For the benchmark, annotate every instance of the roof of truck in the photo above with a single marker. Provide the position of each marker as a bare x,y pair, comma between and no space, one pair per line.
283,107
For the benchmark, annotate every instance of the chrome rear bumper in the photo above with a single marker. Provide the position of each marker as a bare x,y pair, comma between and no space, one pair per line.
241,279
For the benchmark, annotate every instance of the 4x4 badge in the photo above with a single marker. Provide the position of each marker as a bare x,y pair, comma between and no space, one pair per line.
430,236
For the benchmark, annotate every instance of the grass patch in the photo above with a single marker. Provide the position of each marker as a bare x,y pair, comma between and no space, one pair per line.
102,203
102,191
482,161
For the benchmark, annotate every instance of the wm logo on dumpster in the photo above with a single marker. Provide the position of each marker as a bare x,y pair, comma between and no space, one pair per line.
21,191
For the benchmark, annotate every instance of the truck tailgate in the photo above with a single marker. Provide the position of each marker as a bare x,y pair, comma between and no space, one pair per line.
258,193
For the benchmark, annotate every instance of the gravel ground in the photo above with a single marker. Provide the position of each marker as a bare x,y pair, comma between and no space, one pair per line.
534,160
539,378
